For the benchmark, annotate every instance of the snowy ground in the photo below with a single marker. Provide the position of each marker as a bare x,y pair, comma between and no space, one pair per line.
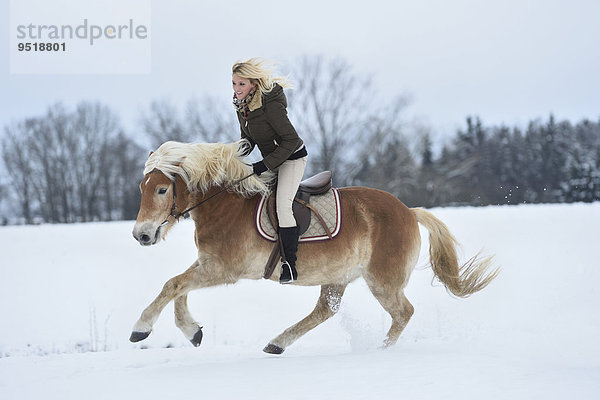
69,295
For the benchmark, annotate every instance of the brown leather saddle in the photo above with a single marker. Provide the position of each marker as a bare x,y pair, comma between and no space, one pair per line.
315,185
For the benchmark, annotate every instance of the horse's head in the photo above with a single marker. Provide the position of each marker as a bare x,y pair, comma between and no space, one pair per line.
177,169
162,199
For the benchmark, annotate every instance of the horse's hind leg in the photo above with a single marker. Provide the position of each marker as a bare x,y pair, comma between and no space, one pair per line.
327,305
397,305
185,322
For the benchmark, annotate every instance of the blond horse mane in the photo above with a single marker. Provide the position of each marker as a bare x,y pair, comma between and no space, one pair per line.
203,165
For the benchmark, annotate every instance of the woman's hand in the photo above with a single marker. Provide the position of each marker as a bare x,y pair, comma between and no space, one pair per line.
259,167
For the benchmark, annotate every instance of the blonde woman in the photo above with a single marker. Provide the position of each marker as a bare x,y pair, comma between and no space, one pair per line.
261,107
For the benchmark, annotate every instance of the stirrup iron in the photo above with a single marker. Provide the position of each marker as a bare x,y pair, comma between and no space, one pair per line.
291,279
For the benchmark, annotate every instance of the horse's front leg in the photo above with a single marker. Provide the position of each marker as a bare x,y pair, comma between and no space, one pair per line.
186,323
173,289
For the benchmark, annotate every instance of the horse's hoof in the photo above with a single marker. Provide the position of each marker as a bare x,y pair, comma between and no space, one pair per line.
197,339
138,336
273,349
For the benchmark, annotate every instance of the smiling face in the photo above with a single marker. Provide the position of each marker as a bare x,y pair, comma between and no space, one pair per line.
155,208
242,86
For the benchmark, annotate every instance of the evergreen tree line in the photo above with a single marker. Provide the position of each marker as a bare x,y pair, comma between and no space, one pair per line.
548,162
80,165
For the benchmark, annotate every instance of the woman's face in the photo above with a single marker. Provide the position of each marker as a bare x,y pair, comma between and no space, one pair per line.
241,86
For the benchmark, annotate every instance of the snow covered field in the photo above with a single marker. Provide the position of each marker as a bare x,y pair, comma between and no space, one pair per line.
69,295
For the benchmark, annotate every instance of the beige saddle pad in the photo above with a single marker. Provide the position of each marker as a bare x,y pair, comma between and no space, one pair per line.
329,207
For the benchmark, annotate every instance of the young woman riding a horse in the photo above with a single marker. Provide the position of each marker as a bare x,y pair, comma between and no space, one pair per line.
261,104
379,239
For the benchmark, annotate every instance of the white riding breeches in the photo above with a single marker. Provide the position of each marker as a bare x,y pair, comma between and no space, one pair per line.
288,179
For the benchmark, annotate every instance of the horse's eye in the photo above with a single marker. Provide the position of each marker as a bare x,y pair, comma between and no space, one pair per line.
162,190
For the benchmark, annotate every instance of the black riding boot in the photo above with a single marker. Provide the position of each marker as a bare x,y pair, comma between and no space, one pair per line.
289,238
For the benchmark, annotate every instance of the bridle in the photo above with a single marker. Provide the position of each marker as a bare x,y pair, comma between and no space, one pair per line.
176,215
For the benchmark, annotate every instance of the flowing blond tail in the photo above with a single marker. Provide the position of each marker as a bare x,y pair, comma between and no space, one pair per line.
461,281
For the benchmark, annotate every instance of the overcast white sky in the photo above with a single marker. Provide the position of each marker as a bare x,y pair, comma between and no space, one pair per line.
506,61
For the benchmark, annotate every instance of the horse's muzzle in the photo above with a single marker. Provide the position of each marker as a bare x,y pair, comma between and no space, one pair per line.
144,240
145,236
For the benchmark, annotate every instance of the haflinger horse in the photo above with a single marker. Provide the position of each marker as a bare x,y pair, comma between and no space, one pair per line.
379,241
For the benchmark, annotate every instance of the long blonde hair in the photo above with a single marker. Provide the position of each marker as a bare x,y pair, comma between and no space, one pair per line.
261,72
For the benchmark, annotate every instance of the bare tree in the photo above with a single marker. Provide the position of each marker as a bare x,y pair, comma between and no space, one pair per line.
123,171
94,127
15,154
72,166
385,159
50,162
329,106
162,123
208,120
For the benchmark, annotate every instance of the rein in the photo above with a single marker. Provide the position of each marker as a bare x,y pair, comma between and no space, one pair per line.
176,216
